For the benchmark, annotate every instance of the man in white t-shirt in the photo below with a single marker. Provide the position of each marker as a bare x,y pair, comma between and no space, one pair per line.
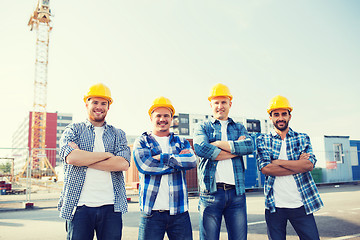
95,154
162,159
220,142
286,158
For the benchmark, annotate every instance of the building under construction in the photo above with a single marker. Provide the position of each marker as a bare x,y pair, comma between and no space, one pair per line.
22,147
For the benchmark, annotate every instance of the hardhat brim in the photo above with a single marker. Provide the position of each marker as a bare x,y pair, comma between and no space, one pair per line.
99,96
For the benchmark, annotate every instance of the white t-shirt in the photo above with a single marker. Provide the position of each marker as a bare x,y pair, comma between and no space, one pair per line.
162,199
224,171
285,189
98,188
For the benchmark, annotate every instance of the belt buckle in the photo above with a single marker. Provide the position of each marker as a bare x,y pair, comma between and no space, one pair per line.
227,187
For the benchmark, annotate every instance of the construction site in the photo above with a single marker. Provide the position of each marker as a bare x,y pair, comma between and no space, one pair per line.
32,164
31,167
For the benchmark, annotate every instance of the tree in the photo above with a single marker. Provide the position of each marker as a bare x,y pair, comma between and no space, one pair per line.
5,167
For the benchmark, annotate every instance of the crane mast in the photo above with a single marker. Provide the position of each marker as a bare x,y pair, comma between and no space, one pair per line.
40,21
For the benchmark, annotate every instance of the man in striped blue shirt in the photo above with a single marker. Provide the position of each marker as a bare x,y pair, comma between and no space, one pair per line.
220,143
162,160
94,154
286,158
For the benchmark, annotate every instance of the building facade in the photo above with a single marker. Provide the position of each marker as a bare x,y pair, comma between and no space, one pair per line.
21,139
185,123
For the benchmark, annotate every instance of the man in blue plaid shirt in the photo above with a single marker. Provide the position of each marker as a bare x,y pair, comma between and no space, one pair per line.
95,154
220,143
162,160
286,158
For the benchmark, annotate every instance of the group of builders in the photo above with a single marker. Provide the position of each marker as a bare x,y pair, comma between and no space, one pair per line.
95,154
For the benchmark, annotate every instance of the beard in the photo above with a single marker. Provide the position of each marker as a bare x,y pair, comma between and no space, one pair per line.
95,118
286,124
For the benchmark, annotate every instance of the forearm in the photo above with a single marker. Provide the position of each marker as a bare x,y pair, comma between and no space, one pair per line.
223,155
276,170
84,158
113,164
297,166
185,160
223,145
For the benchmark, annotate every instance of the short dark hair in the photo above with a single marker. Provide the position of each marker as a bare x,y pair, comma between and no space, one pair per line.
275,109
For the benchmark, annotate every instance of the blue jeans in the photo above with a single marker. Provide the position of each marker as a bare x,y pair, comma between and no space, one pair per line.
103,220
154,226
223,203
304,225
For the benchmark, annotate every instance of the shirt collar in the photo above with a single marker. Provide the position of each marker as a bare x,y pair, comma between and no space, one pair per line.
149,133
89,124
214,120
289,134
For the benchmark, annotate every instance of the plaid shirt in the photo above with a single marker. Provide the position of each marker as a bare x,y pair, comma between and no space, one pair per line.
268,148
84,136
151,171
210,131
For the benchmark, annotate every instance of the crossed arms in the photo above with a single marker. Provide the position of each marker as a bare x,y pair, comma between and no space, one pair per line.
280,167
221,150
104,161
152,161
225,149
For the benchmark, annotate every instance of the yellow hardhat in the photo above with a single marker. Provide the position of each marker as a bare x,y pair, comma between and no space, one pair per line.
162,102
220,90
99,90
278,102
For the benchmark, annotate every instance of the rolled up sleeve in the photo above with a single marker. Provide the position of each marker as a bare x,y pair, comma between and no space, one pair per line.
263,157
202,146
122,148
67,137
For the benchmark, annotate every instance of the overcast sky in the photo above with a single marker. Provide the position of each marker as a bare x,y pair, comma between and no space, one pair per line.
306,50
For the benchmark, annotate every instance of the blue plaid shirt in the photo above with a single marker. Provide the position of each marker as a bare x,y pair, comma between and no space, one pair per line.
210,131
151,171
84,136
268,148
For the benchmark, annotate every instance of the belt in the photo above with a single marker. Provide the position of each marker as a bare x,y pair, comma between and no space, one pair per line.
225,186
161,211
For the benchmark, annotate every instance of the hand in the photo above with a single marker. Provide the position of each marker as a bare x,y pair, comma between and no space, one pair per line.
157,157
185,151
73,145
242,138
304,156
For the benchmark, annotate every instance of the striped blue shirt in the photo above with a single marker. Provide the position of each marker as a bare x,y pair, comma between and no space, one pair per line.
74,176
210,131
151,170
268,148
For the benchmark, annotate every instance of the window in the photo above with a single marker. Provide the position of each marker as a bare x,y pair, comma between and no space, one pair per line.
184,131
64,118
253,125
338,153
184,120
354,156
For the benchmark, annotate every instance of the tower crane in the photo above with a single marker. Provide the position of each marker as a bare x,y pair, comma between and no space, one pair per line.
40,21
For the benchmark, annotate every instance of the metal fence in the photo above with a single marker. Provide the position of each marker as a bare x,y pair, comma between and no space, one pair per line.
24,172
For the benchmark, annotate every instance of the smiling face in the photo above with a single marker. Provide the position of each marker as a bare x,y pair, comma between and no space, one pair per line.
161,119
280,119
97,109
220,107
